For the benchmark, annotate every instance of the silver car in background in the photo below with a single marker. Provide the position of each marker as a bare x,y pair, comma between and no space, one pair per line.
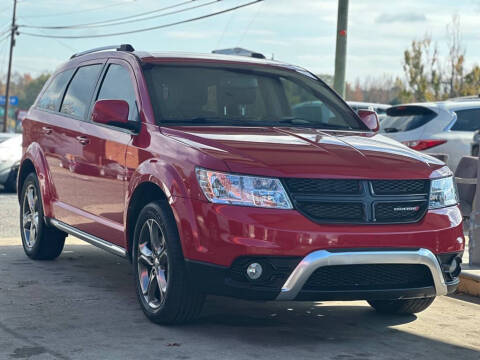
380,109
10,156
445,127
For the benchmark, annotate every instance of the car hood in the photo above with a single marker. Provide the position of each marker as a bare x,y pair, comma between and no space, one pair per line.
305,152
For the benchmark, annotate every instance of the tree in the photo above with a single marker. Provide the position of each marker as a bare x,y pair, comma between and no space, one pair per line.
471,85
456,59
422,70
31,90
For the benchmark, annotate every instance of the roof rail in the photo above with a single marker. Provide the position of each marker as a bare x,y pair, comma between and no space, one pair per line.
465,98
240,52
122,47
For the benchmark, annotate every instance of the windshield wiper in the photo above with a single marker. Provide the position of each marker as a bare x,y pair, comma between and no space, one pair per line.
294,120
302,121
390,130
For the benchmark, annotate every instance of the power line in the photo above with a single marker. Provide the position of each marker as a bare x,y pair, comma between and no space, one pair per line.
5,32
143,29
247,29
4,37
227,25
112,23
77,11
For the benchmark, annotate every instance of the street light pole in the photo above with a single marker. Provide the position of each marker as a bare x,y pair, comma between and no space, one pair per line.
12,44
341,47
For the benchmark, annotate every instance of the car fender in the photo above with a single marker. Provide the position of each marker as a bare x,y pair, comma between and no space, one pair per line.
35,154
159,173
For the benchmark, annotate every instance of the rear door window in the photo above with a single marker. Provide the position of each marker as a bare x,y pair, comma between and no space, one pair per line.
467,120
52,97
117,85
80,91
405,118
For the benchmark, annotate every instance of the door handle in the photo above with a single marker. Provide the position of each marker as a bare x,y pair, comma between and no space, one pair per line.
47,130
83,140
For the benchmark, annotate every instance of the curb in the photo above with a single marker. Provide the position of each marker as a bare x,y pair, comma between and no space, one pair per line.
470,283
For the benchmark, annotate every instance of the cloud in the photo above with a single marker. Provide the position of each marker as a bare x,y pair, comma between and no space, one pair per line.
384,18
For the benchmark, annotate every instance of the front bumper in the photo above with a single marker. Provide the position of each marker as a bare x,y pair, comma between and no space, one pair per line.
297,279
286,278
219,234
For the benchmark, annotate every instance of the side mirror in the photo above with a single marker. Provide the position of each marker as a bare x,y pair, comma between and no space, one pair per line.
369,118
113,112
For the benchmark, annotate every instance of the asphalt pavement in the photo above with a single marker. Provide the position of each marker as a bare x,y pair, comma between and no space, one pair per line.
83,306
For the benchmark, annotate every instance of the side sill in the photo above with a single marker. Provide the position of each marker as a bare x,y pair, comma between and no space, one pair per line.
95,241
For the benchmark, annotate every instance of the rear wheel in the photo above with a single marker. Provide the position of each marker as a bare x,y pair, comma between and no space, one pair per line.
401,306
40,242
162,285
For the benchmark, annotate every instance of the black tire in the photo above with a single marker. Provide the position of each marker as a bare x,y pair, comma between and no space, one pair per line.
402,306
161,262
11,183
40,242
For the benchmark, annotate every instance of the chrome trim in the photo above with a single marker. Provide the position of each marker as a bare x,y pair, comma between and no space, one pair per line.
452,122
95,241
316,259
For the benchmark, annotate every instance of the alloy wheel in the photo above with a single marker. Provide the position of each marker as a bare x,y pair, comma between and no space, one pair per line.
152,259
30,216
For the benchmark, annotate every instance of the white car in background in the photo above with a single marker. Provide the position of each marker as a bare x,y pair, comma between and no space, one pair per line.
10,156
445,127
380,109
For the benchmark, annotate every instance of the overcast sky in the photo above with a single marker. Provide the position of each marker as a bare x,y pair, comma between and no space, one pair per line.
296,31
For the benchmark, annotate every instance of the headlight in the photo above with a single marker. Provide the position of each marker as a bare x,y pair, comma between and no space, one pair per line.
443,193
224,188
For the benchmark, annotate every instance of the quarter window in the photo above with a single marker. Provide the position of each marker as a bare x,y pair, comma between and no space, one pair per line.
52,97
467,120
117,85
80,91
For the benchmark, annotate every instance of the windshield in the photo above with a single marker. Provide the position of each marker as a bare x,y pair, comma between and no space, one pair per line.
206,95
405,118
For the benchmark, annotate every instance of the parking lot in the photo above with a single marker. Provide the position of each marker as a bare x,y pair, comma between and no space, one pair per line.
83,306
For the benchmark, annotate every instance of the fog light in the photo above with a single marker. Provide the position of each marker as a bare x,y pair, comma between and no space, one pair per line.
454,268
254,271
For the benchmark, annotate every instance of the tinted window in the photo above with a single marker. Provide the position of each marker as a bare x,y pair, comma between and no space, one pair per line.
52,97
467,120
184,95
80,91
117,85
405,118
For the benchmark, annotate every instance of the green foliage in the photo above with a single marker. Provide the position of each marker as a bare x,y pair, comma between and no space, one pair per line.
31,90
26,88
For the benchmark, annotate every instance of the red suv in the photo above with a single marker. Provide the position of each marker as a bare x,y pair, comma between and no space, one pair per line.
234,176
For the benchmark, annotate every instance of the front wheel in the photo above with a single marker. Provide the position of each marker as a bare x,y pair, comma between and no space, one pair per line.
40,242
162,284
401,306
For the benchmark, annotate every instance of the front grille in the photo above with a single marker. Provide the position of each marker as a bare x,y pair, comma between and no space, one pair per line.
359,201
323,186
400,187
369,277
334,211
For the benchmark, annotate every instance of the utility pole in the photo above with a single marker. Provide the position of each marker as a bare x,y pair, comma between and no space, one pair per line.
12,44
341,48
